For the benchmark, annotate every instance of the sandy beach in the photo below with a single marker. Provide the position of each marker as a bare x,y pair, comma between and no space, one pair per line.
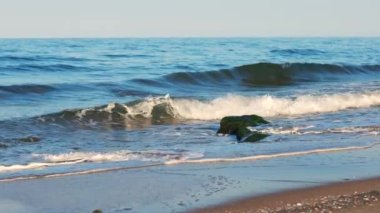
189,187
352,196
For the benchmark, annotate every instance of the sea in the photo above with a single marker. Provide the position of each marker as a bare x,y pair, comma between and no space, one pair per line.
76,106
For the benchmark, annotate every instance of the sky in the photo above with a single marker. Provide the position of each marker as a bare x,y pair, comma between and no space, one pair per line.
188,18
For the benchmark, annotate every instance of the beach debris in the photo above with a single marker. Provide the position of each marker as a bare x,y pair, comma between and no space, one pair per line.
97,211
238,125
328,204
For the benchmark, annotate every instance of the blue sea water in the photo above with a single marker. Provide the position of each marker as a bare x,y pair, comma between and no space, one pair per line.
70,105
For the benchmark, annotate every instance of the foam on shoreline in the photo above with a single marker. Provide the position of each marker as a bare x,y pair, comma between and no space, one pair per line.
169,162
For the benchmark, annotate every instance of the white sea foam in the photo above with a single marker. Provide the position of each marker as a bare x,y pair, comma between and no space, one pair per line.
303,130
296,130
193,158
82,172
269,156
34,165
266,106
49,160
269,106
122,155
145,107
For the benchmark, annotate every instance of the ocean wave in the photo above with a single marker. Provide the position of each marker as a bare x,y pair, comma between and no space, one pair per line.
151,110
270,106
27,88
32,58
50,160
120,92
269,156
305,130
122,155
298,51
268,74
158,110
56,67
192,158
127,56
16,58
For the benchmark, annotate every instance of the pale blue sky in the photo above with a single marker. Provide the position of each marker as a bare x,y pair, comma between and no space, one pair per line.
187,18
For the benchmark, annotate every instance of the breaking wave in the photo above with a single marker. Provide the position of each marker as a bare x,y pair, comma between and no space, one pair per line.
152,110
270,106
158,110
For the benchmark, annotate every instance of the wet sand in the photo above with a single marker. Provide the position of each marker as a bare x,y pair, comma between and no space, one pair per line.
351,196
184,187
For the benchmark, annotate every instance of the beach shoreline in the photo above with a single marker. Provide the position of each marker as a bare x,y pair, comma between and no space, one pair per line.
186,187
351,196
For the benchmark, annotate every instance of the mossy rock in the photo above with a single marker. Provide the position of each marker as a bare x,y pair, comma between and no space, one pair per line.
237,125
242,132
231,124
254,137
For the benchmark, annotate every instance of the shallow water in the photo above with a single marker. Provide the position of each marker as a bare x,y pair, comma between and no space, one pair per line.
69,105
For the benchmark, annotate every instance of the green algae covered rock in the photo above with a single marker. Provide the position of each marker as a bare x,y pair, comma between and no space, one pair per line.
238,125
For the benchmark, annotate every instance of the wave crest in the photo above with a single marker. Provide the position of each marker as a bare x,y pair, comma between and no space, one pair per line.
270,106
152,110
165,110
269,74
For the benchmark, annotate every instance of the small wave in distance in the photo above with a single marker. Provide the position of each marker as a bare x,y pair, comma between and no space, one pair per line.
27,88
270,74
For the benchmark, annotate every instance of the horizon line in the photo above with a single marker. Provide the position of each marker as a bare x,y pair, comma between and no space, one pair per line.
187,37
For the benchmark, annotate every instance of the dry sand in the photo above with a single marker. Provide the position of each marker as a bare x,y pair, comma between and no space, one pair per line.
360,196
